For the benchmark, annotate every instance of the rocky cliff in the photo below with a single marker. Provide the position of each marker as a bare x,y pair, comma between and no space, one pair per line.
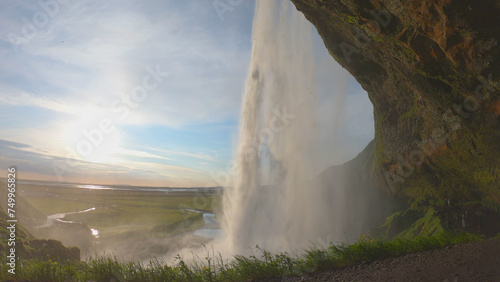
431,70
25,244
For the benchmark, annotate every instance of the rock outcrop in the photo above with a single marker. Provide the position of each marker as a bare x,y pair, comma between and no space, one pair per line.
431,70
27,247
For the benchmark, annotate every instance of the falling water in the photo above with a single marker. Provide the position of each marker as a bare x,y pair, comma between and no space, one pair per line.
274,203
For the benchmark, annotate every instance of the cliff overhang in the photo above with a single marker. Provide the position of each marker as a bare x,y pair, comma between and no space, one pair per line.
430,69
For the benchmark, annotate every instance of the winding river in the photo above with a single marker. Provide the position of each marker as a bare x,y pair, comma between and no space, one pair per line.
210,230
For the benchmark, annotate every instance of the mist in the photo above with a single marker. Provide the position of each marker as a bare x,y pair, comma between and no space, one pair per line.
286,140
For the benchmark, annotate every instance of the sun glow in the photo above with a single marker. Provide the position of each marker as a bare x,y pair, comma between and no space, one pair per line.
93,136
105,152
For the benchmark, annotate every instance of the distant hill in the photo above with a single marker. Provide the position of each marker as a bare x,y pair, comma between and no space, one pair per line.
27,246
26,214
367,206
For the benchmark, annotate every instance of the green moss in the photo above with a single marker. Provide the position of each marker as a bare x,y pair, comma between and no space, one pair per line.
462,168
487,177
352,19
400,221
428,225
410,113
379,148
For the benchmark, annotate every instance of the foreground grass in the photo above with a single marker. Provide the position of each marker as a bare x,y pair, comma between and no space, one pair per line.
214,268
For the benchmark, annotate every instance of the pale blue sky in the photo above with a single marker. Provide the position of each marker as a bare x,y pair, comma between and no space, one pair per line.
69,66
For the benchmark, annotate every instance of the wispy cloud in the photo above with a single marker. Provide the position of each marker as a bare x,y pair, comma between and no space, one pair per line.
96,52
25,99
142,154
200,156
30,162
66,76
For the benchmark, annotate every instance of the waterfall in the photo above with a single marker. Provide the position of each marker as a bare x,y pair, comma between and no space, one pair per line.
273,202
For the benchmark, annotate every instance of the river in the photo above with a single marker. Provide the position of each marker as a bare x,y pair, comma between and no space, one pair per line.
211,228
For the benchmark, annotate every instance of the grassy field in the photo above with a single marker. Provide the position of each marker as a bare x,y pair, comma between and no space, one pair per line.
116,211
146,220
215,268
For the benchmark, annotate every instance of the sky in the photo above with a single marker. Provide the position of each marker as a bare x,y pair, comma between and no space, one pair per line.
141,92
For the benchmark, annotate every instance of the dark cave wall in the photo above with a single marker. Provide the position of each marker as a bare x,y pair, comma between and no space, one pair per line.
431,70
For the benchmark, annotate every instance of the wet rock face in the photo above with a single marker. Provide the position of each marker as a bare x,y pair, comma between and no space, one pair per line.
431,69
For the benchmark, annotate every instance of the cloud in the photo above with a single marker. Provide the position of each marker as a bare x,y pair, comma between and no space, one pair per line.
96,52
4,144
164,168
141,154
69,71
200,156
68,169
91,55
25,99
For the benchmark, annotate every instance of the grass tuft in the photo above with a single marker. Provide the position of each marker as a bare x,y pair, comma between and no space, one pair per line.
213,267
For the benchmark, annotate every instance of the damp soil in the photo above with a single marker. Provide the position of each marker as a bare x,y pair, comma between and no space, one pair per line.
477,261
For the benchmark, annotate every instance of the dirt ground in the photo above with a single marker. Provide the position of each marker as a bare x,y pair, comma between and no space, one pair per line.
478,261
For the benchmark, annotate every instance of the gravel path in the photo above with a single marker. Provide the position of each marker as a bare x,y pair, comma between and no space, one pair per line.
478,261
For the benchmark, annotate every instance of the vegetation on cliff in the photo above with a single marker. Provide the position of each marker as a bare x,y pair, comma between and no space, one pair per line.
430,69
26,245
